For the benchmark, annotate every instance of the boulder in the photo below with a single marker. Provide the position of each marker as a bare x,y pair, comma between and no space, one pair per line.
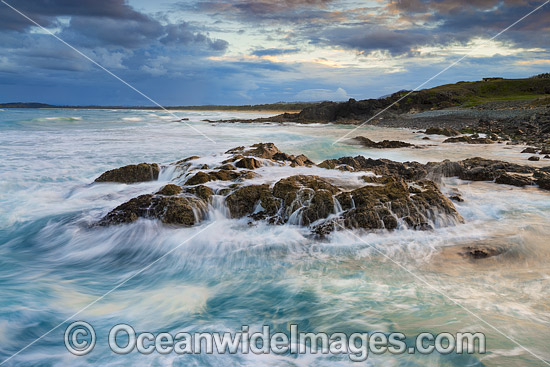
529,150
534,158
131,174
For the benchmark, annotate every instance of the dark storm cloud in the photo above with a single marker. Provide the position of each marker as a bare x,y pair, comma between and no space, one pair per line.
97,23
45,11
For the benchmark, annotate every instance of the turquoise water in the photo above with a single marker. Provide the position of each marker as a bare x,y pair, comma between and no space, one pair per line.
52,263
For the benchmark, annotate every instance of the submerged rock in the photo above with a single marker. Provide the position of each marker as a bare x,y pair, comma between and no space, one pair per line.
481,252
442,131
384,144
131,174
468,140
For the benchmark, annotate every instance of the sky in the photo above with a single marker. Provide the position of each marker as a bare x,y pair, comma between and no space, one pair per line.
232,52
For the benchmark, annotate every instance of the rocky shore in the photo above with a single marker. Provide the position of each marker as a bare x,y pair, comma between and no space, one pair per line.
349,192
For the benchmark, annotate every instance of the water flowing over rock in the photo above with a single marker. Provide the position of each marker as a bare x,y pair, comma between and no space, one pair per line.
131,174
398,195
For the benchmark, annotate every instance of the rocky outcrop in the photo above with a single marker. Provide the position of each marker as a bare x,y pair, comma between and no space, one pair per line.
131,174
384,144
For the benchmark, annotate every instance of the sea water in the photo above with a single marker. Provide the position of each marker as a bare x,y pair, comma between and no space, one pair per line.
53,263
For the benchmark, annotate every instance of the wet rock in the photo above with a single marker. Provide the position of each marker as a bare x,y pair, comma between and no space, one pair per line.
514,180
220,175
378,207
178,210
248,163
385,144
170,190
384,167
442,131
426,138
260,150
312,195
131,174
200,191
468,140
534,158
546,157
245,200
300,160
227,166
529,150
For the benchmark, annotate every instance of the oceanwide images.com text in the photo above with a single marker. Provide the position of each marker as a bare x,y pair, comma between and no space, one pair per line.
80,339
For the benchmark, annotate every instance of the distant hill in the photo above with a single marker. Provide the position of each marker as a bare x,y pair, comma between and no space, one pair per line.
26,105
461,94
280,106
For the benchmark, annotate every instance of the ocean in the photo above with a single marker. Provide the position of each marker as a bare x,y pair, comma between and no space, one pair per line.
53,262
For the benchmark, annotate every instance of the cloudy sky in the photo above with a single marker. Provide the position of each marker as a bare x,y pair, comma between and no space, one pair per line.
245,52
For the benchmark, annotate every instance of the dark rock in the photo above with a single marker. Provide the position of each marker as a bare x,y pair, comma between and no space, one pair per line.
481,252
546,157
178,210
514,180
426,138
534,158
442,131
248,163
170,190
543,180
227,166
260,150
529,150
385,144
131,174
